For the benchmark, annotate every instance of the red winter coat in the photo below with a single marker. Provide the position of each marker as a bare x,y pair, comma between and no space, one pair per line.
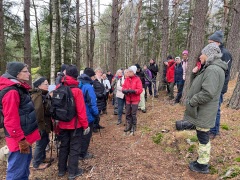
11,102
133,83
80,106
170,71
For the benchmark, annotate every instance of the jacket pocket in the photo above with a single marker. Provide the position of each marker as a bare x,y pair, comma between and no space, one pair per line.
192,111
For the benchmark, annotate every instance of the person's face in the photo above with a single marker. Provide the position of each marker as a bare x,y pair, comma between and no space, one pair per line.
98,73
130,73
24,75
93,78
64,72
203,58
178,61
144,67
184,56
120,73
104,76
151,61
126,74
211,41
108,72
44,85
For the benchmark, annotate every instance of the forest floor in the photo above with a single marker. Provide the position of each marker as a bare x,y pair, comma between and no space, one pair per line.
157,150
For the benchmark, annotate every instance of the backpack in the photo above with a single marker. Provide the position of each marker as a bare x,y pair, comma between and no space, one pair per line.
2,93
62,104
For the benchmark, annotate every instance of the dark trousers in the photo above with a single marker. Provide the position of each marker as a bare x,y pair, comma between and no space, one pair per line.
86,141
69,150
121,103
149,87
40,153
179,93
131,113
96,121
171,88
18,165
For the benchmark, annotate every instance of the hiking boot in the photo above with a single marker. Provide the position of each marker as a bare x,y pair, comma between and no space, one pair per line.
200,168
73,176
115,113
119,122
61,173
133,129
128,128
156,96
87,156
101,127
95,130
144,111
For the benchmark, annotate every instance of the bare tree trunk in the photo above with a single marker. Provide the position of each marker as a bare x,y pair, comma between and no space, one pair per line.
77,35
38,38
225,16
92,36
61,32
190,15
66,29
27,37
87,37
164,40
53,41
135,38
234,102
196,41
2,41
233,41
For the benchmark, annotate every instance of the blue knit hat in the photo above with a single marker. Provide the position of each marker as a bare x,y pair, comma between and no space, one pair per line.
217,37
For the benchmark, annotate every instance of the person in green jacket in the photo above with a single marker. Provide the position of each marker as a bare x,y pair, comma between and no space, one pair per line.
202,102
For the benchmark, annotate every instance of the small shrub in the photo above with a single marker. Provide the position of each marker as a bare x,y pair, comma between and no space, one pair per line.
237,159
194,139
192,148
157,138
225,127
146,129
213,170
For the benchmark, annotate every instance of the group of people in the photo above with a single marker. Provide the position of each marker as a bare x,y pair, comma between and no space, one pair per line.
90,90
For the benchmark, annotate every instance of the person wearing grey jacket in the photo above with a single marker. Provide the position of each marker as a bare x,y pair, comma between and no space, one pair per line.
202,102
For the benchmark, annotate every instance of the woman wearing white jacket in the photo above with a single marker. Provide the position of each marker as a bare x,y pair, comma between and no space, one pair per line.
120,96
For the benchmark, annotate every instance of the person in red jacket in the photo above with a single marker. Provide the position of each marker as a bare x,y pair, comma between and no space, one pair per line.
132,88
170,77
20,122
71,132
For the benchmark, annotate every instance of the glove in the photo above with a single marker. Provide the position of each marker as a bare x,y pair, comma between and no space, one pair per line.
24,146
131,91
86,131
125,91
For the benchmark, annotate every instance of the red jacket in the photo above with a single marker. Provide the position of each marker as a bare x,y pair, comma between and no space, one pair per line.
133,83
170,71
11,102
80,107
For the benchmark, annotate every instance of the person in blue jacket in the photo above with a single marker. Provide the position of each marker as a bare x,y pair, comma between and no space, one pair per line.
86,80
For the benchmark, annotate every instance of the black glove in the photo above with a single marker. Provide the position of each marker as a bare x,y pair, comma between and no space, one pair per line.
125,91
130,91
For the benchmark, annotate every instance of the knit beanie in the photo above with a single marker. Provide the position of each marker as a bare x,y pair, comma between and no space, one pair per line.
133,69
138,66
217,37
185,52
39,81
211,49
14,68
64,67
89,71
72,71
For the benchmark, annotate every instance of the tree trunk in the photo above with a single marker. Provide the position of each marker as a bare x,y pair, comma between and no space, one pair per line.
225,15
135,38
164,41
92,36
38,38
77,35
113,53
196,41
53,41
233,41
2,41
27,37
66,29
234,102
87,36
61,32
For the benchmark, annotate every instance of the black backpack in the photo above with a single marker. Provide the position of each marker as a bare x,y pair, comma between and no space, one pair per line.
2,93
62,104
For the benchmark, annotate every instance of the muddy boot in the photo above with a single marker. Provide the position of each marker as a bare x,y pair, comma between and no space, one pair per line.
119,121
133,129
128,127
200,168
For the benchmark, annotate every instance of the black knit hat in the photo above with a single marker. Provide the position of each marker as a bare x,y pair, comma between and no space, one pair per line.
72,71
217,37
14,68
89,71
39,81
64,67
138,66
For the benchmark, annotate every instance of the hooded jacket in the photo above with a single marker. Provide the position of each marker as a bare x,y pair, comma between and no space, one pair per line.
133,83
19,115
154,69
170,71
79,103
100,92
203,95
89,97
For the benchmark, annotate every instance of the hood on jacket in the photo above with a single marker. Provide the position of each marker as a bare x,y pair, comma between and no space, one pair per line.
216,60
85,79
69,81
7,80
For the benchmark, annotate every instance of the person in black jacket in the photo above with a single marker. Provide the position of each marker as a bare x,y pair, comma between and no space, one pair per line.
153,67
217,38
101,96
61,74
142,103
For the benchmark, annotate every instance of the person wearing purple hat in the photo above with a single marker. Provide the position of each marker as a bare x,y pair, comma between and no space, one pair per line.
184,63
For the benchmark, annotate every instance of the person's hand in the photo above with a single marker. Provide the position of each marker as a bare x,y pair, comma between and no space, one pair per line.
24,146
125,91
195,70
131,91
86,131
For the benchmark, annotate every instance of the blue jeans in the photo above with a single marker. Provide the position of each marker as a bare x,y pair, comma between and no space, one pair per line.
40,153
18,165
121,103
215,129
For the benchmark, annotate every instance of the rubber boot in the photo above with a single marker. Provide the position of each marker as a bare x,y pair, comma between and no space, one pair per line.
128,127
200,168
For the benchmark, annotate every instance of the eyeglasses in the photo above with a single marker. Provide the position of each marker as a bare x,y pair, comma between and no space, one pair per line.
25,71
